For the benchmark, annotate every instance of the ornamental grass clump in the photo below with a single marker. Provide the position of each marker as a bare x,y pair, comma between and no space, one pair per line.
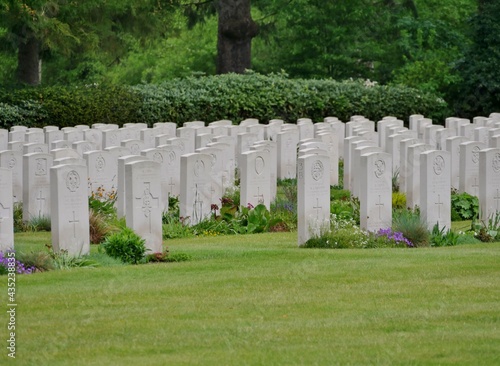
411,226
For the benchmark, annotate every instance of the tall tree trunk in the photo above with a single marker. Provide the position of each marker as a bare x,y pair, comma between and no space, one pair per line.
28,60
236,29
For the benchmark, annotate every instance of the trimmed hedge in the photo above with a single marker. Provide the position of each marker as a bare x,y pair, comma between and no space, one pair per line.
211,98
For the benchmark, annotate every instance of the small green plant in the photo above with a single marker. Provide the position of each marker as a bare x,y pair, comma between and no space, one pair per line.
411,225
342,233
258,219
125,245
63,260
398,200
442,237
19,224
464,206
487,230
103,202
39,223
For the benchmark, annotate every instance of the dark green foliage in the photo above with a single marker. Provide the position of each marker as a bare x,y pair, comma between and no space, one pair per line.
125,245
69,106
464,206
237,97
229,96
479,93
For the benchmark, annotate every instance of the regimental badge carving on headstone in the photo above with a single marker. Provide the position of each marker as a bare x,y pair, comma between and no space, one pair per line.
12,162
38,150
317,170
182,146
113,138
171,157
158,157
134,149
495,164
213,160
199,167
438,165
475,154
100,163
379,168
259,165
41,167
73,181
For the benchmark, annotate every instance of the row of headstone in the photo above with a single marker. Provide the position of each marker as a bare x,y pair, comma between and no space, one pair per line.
197,163
426,161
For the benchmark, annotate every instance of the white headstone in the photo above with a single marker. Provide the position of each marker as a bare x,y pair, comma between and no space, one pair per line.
435,188
255,182
376,191
36,185
489,184
121,201
469,167
194,199
13,160
69,209
6,211
413,178
143,207
313,196
287,154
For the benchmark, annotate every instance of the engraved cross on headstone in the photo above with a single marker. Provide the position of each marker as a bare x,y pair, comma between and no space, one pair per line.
171,185
317,208
475,186
41,201
148,202
4,213
380,205
74,221
439,204
259,196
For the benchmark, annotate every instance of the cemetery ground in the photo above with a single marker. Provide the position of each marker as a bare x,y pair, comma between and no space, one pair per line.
260,300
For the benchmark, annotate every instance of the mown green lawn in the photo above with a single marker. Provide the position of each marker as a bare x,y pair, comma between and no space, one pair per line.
260,300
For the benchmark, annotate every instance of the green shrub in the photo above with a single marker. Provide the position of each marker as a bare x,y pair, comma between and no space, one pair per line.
125,245
69,105
464,206
211,98
236,97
